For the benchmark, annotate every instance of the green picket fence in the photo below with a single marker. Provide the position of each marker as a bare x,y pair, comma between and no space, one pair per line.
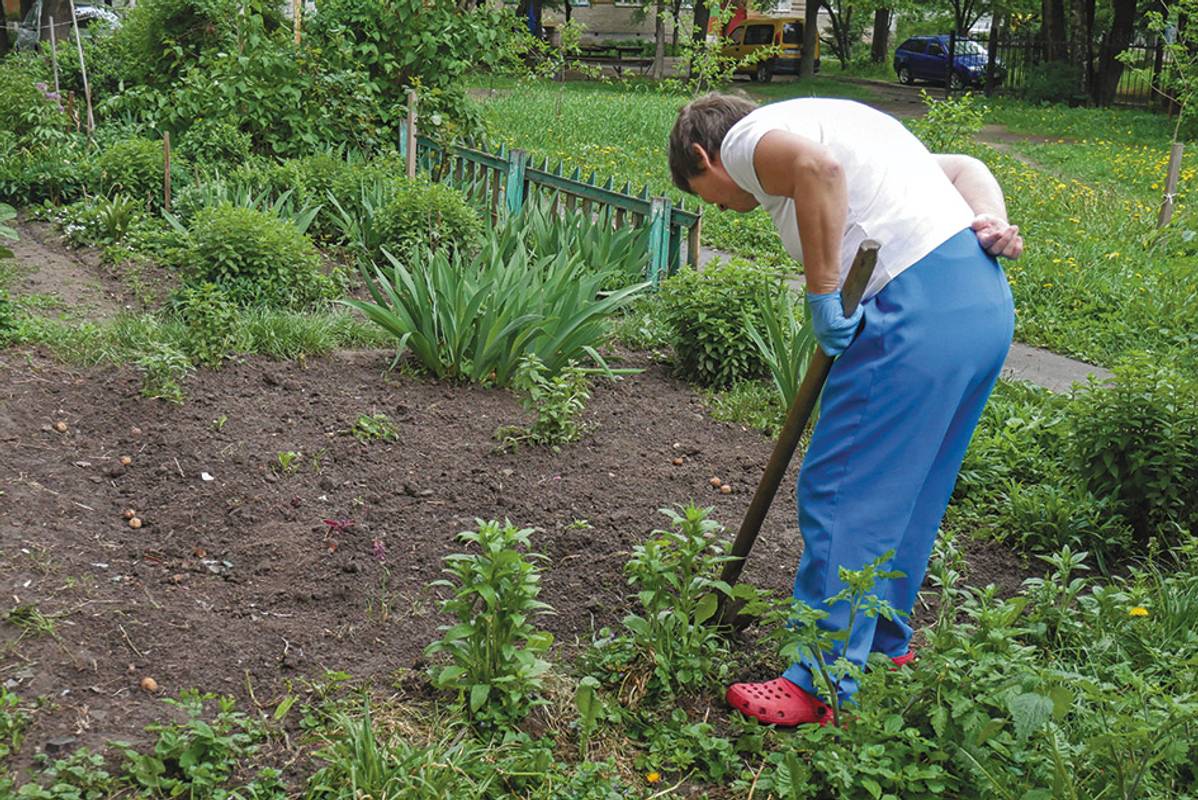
507,179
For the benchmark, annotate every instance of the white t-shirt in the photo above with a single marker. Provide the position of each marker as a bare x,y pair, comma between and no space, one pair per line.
897,193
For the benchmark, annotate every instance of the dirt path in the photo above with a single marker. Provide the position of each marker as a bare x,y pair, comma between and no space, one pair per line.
67,280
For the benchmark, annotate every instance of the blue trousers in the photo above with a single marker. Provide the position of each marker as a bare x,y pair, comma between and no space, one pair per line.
896,416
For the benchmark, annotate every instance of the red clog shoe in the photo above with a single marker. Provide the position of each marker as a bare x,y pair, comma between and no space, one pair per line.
778,702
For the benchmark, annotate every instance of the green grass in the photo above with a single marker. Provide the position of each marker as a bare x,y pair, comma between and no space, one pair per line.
621,131
277,334
1092,284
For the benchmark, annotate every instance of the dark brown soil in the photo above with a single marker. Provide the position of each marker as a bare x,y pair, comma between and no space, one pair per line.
237,579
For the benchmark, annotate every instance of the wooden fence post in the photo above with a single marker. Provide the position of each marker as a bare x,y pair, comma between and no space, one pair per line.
411,134
166,171
53,54
659,238
514,192
1166,215
693,243
87,92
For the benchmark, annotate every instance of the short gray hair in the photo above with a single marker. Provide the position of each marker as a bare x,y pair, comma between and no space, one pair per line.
705,122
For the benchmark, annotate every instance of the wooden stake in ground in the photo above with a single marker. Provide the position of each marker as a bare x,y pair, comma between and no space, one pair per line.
87,92
297,12
411,134
54,53
166,171
1166,215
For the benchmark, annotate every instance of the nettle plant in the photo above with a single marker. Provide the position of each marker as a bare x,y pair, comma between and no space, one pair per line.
494,648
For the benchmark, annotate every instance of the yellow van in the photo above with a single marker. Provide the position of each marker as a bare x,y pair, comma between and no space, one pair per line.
754,33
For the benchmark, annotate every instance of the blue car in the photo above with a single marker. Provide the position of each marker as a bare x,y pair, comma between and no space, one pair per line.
926,58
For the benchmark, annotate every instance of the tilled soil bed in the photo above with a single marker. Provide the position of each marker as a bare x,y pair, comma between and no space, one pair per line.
237,581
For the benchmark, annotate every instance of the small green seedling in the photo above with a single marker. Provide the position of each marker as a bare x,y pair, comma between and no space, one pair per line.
370,427
219,422
289,461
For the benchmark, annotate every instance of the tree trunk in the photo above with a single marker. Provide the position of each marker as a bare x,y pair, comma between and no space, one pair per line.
4,45
810,38
841,19
1079,43
702,18
881,43
1115,42
659,38
677,12
1052,30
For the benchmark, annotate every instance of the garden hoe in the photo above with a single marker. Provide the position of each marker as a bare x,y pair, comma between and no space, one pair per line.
792,430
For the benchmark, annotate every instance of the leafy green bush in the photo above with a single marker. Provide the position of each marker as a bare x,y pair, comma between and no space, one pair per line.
215,141
1136,442
431,216
135,167
158,39
949,124
476,318
495,648
707,312
29,109
211,318
401,43
257,259
1053,82
1043,518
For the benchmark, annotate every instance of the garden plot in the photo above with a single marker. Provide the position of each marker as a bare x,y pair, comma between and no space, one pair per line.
242,576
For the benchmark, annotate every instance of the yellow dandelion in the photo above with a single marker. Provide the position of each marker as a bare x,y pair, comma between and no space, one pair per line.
1137,611
655,777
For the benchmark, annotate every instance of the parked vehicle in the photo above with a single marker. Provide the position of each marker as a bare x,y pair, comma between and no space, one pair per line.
88,15
926,58
757,33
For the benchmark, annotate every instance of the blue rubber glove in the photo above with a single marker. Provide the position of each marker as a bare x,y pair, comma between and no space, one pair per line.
833,330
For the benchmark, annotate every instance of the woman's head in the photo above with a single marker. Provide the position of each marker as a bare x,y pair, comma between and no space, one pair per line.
695,150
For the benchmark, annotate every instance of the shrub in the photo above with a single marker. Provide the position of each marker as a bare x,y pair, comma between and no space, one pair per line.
1053,82
1043,518
1136,442
135,167
215,141
430,216
707,311
949,125
256,259
29,109
211,320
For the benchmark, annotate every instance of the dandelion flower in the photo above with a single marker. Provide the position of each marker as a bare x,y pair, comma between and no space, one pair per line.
653,777
1137,611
